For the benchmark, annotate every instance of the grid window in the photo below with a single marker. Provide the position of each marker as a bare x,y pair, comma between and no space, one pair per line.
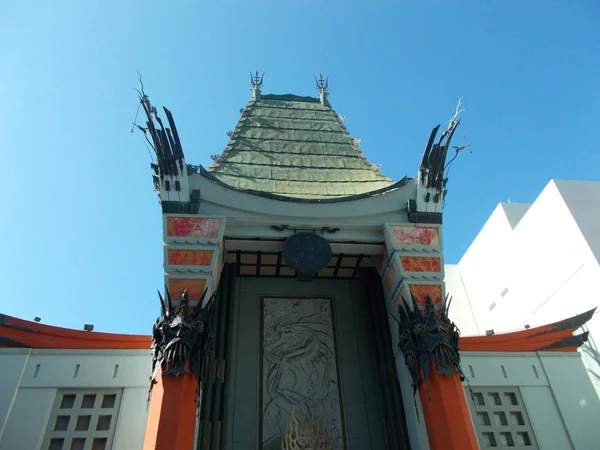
83,423
108,400
99,444
78,444
272,264
67,401
82,420
56,444
103,423
62,423
88,401
500,418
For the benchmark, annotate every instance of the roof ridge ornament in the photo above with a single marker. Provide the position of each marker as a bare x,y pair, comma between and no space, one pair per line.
434,167
256,82
323,87
455,119
163,140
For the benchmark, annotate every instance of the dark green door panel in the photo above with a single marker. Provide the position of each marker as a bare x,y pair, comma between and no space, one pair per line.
360,391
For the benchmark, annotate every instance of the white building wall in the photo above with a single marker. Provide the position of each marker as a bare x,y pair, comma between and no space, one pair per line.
461,311
483,275
30,378
536,264
548,250
559,397
13,365
26,424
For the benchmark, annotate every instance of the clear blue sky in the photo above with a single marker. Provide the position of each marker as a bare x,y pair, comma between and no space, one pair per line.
81,224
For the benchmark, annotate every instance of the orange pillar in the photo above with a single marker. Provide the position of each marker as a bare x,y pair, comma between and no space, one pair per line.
172,415
446,413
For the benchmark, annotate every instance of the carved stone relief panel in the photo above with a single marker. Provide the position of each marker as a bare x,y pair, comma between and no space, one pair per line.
300,387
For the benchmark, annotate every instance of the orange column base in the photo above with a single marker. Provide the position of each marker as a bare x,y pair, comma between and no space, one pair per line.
172,415
446,412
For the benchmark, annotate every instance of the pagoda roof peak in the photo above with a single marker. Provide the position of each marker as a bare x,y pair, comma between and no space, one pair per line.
296,147
290,98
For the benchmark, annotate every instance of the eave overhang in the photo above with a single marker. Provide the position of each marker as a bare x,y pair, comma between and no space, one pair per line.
253,218
363,208
203,172
558,336
555,337
18,333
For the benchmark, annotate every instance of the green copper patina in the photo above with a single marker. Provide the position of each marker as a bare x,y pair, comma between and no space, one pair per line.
295,147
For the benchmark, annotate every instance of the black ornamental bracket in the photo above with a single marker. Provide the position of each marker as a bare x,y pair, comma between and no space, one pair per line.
422,338
180,336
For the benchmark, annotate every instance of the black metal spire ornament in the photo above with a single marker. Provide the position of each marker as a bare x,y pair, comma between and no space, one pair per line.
433,164
256,81
322,84
164,140
323,87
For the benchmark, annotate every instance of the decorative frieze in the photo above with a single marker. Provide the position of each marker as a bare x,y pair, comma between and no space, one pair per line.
201,228
189,257
421,292
193,254
421,264
195,285
204,259
414,237
412,266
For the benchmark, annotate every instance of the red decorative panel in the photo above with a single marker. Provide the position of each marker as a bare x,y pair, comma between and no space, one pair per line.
202,227
189,257
420,292
420,264
195,288
412,235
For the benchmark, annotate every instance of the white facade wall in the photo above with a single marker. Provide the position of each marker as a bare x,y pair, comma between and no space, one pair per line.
30,379
559,398
535,264
558,395
461,311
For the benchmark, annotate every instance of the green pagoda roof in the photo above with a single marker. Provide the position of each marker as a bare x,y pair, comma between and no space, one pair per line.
295,147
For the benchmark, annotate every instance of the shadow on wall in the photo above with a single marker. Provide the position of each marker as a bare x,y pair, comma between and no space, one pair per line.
594,354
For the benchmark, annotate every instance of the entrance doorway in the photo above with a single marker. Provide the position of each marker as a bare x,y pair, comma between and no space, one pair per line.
306,369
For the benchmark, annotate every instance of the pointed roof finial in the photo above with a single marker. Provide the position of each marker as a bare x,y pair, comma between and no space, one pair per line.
256,83
322,86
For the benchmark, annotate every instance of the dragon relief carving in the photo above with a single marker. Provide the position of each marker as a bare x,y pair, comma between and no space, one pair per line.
180,336
299,373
